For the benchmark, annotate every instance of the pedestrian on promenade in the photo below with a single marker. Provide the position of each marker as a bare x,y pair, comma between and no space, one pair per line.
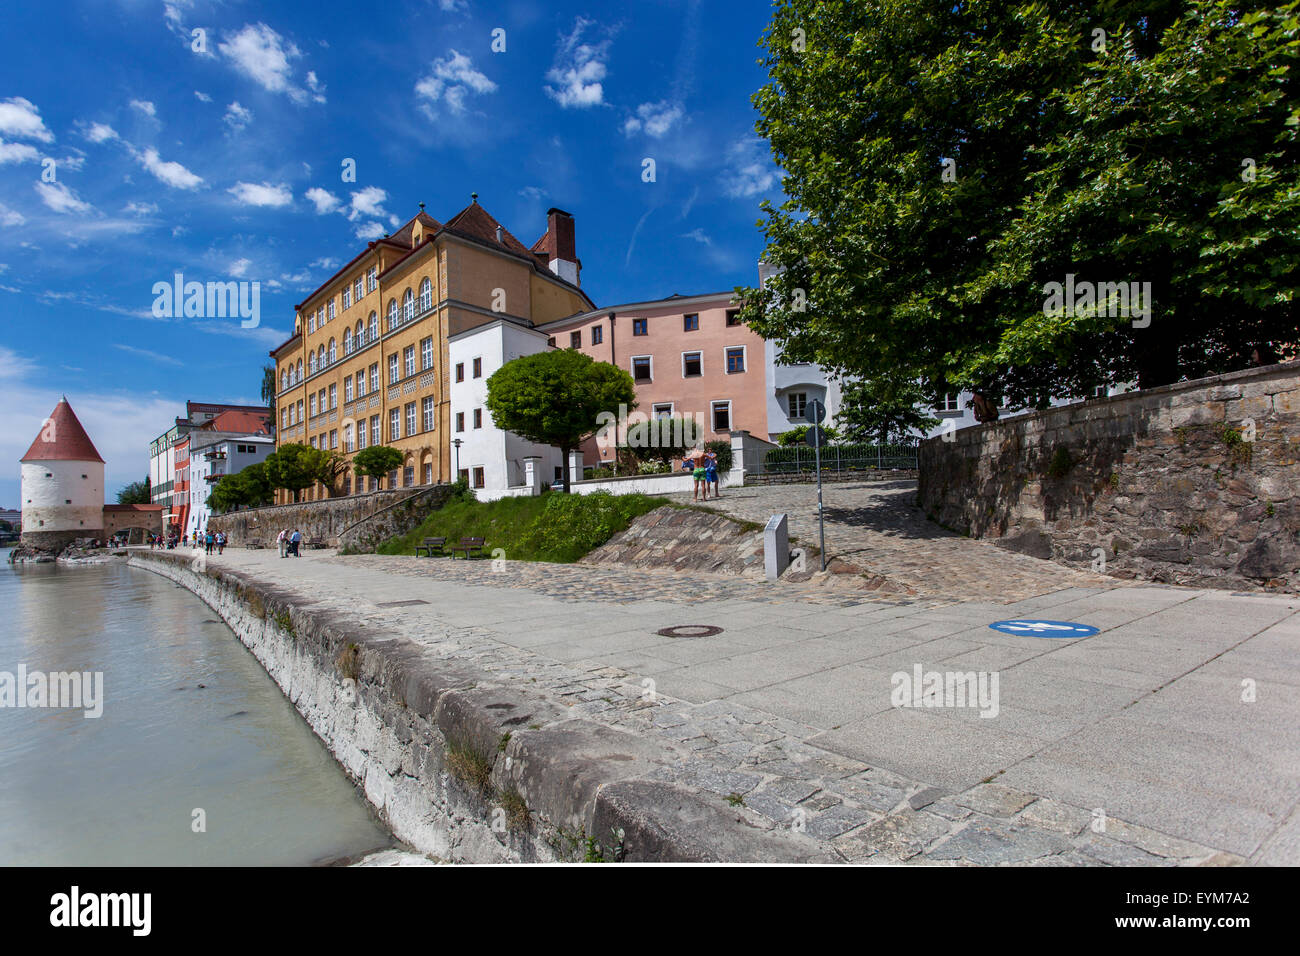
295,542
711,472
209,539
221,542
283,541
698,473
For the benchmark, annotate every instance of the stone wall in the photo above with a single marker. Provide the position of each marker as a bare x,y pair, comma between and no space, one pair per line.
360,521
458,764
1194,483
683,539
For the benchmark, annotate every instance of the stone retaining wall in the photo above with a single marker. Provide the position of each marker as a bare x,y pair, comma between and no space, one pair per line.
459,766
1194,483
357,521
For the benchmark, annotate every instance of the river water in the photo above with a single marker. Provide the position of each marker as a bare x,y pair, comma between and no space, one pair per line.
123,788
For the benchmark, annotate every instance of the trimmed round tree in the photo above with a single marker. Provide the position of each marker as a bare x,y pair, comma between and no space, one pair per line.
376,461
560,398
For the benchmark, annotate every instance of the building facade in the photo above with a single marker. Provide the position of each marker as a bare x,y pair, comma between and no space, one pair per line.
164,450
213,455
368,362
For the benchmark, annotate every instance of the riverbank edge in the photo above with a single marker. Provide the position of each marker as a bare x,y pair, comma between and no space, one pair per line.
460,766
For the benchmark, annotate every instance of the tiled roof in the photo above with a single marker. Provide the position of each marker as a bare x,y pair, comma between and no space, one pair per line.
477,223
241,422
62,438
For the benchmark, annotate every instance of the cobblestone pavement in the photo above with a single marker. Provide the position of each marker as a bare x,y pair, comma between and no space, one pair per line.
876,526
1125,748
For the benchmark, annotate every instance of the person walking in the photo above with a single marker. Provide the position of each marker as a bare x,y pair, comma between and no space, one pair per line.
283,540
209,539
295,541
221,542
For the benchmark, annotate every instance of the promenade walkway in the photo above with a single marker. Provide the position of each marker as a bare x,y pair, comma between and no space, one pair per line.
1168,738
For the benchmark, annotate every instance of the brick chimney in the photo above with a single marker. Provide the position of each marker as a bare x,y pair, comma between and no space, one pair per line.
561,247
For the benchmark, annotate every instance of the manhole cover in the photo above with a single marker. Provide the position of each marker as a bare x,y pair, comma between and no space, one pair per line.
400,603
689,630
1034,628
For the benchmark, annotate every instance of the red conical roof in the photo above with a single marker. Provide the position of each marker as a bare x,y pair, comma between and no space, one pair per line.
62,438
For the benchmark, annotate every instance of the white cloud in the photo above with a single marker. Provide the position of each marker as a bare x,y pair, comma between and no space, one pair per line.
22,118
579,69
369,230
100,133
202,97
17,153
146,353
145,107
452,78
237,117
61,199
261,194
656,119
172,174
9,217
140,208
368,202
699,236
532,192
324,200
265,57
750,171
239,268
451,6
326,262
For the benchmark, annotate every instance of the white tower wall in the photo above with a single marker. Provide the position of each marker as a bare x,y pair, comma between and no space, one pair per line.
63,496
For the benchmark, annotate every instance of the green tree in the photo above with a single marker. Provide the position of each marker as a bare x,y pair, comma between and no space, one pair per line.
799,435
269,388
663,439
886,410
946,161
559,398
376,461
135,493
293,467
249,488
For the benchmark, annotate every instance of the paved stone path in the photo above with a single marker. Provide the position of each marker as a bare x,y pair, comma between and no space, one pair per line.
876,526
1135,746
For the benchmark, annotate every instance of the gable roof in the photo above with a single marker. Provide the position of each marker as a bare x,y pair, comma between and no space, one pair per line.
62,438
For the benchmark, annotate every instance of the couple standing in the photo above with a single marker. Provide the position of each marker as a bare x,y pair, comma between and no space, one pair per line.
704,467
290,542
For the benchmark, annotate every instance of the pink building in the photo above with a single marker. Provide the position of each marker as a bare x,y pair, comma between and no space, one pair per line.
688,355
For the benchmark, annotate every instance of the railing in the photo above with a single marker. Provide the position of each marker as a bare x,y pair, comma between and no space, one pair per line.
839,458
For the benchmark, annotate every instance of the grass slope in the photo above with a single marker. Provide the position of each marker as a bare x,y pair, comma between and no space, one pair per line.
550,527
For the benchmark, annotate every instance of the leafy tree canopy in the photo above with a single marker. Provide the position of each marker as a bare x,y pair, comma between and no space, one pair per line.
558,398
136,493
946,162
376,461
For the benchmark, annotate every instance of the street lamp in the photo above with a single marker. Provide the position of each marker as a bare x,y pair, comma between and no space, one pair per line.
456,443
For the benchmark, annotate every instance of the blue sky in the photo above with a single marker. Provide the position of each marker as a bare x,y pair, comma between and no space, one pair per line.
228,163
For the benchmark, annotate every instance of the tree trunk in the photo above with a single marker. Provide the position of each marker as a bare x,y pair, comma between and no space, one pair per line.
565,452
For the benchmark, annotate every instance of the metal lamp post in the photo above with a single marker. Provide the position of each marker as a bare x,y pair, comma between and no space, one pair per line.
456,443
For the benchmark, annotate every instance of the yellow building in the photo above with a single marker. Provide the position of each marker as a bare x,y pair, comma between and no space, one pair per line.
367,361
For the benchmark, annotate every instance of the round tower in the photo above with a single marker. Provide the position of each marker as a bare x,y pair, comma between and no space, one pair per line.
62,484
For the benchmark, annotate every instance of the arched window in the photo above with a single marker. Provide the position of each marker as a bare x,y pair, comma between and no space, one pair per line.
373,332
284,381
333,353
347,341
361,333
426,295
320,357
392,314
408,306
311,363
297,377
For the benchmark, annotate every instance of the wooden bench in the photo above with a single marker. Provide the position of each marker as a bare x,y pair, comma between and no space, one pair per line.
430,544
467,545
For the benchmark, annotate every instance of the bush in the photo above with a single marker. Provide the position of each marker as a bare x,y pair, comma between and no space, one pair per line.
723,450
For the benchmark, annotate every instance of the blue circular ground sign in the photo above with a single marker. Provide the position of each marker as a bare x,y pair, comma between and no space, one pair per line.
1030,627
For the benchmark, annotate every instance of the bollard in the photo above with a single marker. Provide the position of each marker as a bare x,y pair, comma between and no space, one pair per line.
776,546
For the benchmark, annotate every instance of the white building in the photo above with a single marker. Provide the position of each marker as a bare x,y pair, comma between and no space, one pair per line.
496,462
213,455
62,483
790,388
